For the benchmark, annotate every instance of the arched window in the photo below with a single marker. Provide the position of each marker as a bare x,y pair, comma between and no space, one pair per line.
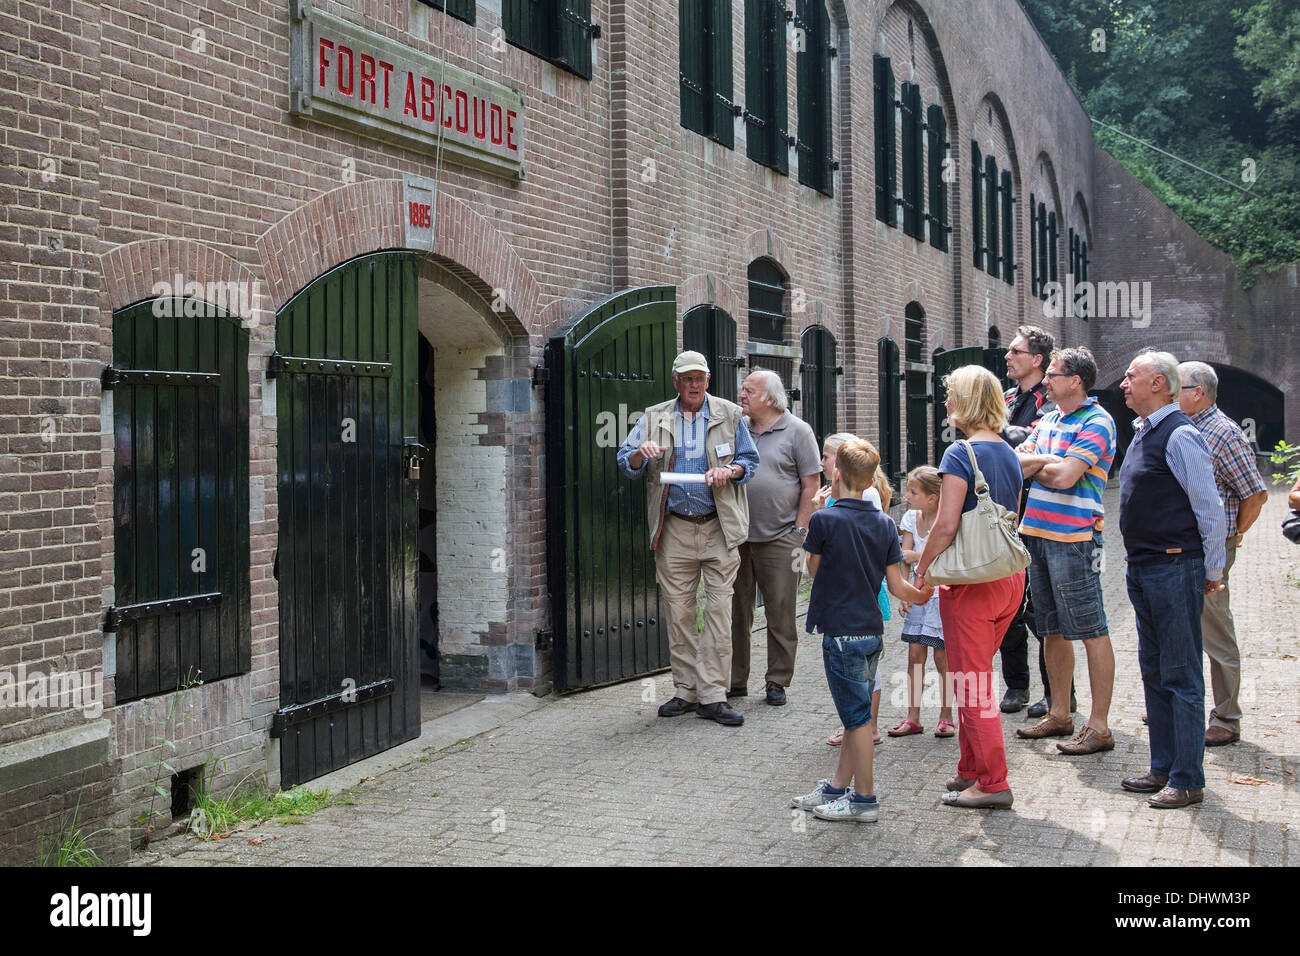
711,332
767,288
916,384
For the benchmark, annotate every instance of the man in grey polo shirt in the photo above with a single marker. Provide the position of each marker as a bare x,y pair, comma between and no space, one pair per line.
780,504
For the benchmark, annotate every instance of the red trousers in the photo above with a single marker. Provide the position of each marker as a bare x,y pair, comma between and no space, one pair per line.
975,616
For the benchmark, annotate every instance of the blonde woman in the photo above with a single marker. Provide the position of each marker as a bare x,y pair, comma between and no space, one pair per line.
975,616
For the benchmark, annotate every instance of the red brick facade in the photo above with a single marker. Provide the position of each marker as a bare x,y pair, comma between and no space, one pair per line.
141,142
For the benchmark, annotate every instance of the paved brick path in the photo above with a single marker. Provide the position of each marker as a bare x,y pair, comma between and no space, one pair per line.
598,778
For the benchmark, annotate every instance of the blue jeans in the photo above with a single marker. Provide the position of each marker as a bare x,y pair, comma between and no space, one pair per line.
1167,598
851,663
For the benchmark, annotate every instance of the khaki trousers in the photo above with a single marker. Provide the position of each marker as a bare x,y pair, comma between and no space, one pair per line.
1219,637
687,551
769,566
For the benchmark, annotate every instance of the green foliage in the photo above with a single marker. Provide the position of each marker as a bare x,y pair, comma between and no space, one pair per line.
68,846
1288,458
1218,87
166,746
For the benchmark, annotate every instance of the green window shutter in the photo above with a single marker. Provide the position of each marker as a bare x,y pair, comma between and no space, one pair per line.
814,71
694,96
1035,277
460,9
886,144
765,84
720,58
527,24
758,112
977,202
1052,238
572,20
992,262
937,135
780,91
1042,248
910,95
1008,229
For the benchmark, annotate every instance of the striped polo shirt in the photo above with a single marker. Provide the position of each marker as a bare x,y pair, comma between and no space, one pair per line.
1087,433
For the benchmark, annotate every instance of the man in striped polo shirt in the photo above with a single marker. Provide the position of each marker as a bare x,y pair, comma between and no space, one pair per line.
1068,454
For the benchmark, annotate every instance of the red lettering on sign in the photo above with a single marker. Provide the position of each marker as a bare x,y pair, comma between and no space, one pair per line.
419,212
428,100
410,95
324,59
496,125
346,90
446,113
480,118
462,111
510,130
387,68
367,76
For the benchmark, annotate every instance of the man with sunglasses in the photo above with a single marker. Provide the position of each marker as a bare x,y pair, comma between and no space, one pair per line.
1069,454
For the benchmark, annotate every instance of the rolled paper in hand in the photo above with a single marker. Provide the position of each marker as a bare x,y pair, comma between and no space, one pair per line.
680,478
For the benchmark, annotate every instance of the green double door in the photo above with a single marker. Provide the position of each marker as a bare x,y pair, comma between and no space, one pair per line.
347,413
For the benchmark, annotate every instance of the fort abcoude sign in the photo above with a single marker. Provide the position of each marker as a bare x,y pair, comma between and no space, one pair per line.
345,76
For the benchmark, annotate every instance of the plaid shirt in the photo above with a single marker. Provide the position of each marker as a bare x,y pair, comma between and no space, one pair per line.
1235,473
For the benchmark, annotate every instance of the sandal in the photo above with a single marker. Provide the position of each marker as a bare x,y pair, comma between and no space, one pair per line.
836,738
946,728
899,730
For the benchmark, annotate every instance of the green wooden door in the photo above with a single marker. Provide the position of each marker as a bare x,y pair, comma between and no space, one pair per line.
345,367
945,362
612,362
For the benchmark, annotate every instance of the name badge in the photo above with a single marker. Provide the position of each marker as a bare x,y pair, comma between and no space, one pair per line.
723,450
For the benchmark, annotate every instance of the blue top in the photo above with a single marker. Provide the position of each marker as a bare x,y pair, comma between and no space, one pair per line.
1001,470
690,458
1188,457
882,596
856,543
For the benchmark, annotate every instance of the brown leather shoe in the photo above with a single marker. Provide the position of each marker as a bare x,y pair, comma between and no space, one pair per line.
1171,799
959,784
1088,741
1049,726
1147,783
1216,736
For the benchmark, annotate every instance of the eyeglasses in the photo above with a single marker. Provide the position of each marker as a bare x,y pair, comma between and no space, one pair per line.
1016,351
1060,374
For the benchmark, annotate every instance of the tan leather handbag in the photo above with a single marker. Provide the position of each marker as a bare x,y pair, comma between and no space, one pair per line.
986,547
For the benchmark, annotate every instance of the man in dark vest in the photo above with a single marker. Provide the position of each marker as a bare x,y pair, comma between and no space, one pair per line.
1174,530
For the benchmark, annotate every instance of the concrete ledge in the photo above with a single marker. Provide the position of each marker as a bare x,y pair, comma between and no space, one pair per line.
436,734
54,754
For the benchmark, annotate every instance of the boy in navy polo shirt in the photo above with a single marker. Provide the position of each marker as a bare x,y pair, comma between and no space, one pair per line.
853,546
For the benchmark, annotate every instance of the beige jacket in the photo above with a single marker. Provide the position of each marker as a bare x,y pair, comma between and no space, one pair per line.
729,499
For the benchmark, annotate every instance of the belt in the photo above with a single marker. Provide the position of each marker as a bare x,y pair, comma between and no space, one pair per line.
695,519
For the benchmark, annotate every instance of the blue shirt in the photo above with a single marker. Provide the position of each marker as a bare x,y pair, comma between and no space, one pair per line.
856,543
1188,457
690,458
1001,470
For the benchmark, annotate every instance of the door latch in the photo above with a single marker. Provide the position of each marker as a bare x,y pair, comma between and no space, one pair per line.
414,453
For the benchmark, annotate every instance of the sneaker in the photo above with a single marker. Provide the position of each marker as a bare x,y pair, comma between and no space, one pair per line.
824,793
846,808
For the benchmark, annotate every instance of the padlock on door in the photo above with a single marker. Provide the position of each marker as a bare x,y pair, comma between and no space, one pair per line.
414,452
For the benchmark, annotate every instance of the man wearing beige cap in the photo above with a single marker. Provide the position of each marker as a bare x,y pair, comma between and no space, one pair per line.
696,528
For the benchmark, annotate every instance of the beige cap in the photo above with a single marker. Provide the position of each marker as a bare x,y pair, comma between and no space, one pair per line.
690,362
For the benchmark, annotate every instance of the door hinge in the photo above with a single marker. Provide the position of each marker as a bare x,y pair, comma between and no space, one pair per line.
541,375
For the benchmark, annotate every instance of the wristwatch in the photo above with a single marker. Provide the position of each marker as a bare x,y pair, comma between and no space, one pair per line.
802,531
735,477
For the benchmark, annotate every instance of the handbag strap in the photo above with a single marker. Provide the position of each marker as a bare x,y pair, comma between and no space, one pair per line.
981,486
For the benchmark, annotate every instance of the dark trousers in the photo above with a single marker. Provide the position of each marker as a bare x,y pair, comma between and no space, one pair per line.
1015,650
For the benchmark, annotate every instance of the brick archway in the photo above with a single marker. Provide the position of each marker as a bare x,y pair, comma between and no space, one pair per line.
765,242
708,289
348,222
133,271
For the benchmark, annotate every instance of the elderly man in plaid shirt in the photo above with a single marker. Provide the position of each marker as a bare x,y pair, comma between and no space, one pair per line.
1243,492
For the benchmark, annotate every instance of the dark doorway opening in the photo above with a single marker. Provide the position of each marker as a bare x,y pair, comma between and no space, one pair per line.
427,528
